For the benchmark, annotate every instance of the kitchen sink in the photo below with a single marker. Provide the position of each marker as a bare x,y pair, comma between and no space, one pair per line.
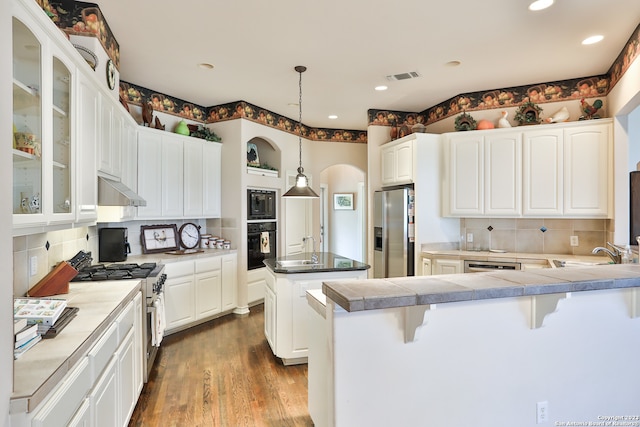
560,263
288,263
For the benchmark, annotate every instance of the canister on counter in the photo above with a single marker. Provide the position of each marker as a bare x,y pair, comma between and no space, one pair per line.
220,243
226,244
204,241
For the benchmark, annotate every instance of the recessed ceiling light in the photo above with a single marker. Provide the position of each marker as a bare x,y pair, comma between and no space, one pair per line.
333,117
381,87
593,39
205,66
540,4
454,63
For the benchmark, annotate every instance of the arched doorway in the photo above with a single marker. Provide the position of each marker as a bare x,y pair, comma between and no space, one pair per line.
343,227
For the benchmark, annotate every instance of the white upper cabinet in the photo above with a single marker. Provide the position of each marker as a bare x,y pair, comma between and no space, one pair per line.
539,171
503,174
466,174
172,176
110,137
87,182
150,173
397,161
587,170
178,176
542,173
202,178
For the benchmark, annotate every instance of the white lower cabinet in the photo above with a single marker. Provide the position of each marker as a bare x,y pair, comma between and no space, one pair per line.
286,311
82,418
104,398
179,294
447,266
61,406
208,287
197,290
425,265
103,388
256,284
127,393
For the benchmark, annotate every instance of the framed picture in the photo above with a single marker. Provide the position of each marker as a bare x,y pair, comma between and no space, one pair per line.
343,201
158,238
342,262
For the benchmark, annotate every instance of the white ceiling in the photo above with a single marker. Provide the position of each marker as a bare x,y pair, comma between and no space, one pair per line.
349,46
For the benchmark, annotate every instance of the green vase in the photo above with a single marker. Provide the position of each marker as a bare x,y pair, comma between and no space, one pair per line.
182,128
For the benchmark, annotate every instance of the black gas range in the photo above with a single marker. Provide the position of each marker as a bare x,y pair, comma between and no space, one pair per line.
99,272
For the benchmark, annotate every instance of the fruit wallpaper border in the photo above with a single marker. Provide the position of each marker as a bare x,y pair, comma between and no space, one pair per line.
136,95
78,18
587,87
86,19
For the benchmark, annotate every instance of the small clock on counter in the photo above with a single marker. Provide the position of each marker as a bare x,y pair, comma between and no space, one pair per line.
189,235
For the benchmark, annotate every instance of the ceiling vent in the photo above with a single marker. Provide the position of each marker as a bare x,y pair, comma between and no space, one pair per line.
403,76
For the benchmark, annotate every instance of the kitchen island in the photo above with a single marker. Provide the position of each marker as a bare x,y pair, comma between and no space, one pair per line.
285,306
481,349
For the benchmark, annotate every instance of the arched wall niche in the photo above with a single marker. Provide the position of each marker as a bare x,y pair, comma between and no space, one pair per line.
268,153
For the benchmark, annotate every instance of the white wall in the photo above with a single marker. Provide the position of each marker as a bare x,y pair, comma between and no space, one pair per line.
480,364
316,156
6,220
622,100
345,226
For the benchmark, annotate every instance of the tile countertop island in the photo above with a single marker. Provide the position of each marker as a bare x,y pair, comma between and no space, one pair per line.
476,349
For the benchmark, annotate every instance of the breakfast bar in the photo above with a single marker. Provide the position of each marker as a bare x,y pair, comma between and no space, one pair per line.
480,349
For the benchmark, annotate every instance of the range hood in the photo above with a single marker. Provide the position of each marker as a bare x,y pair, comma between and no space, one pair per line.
114,193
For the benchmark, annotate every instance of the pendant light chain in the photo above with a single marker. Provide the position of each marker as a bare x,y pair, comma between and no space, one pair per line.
300,117
301,188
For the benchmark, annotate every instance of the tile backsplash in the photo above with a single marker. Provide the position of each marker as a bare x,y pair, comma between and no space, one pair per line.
547,236
47,250
52,247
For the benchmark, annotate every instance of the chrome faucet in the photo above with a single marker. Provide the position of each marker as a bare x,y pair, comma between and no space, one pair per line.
615,255
314,255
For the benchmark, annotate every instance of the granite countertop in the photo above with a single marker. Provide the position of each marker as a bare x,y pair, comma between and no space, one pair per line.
41,368
372,294
327,262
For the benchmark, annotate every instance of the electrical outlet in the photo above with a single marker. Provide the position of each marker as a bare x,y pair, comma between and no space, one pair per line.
573,240
542,412
33,265
469,237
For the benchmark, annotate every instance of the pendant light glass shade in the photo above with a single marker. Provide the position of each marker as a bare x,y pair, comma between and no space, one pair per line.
301,188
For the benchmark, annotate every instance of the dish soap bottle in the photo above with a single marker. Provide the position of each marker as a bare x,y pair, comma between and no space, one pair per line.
627,257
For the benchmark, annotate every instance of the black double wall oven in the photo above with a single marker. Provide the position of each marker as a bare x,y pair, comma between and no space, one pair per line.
261,227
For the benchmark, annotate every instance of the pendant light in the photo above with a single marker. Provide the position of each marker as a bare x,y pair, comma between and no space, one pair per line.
301,188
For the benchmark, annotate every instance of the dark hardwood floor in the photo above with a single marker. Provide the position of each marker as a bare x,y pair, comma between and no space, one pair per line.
222,373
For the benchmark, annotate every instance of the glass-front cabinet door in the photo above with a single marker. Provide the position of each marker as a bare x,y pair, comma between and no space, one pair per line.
61,133
43,142
27,124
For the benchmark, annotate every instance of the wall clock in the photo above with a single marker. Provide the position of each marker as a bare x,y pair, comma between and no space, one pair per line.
189,235
111,74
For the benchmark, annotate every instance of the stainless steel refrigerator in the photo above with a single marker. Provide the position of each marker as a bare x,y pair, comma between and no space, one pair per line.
394,236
